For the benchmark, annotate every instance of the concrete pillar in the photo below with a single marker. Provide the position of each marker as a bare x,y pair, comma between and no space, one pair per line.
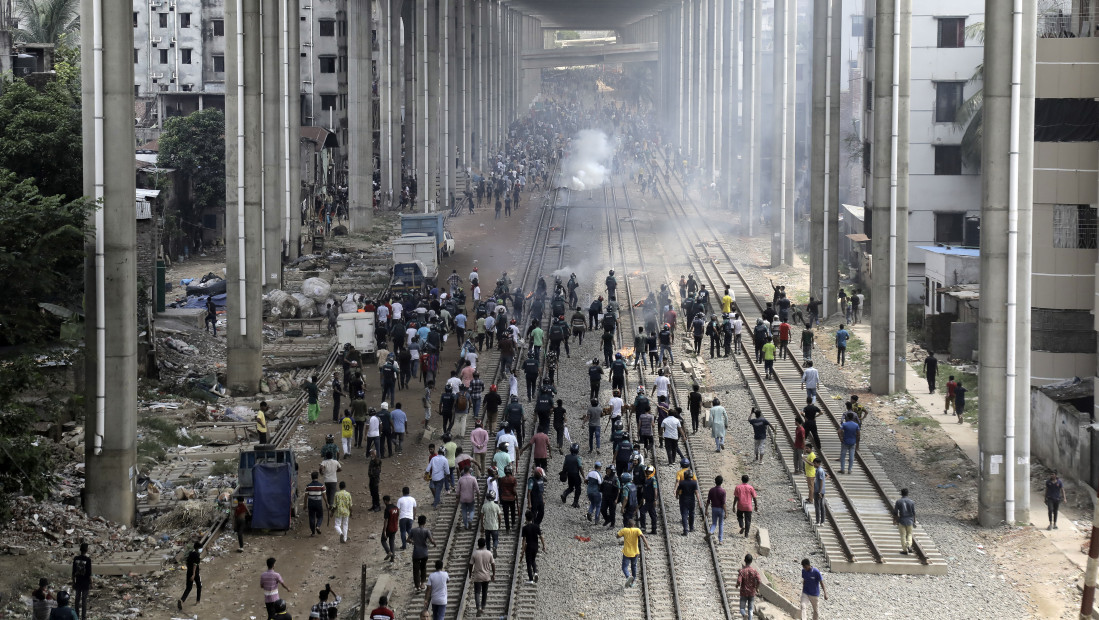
424,167
480,83
243,206
684,81
780,127
387,36
703,131
790,166
832,216
273,190
293,43
110,269
754,31
996,252
445,42
819,148
466,72
732,138
889,247
360,116
411,89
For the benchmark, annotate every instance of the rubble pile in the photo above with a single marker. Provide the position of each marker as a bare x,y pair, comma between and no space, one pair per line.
52,526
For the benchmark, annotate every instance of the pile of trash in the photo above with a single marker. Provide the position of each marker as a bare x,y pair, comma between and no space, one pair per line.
316,293
35,526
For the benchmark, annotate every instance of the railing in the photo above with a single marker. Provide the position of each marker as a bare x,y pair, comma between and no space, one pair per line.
1058,20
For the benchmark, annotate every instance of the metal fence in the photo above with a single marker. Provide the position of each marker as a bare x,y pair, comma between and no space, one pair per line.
1068,19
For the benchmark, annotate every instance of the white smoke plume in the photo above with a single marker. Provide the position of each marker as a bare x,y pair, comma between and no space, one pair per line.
587,166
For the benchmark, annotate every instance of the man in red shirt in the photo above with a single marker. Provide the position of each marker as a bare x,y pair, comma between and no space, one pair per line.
669,318
799,446
391,521
541,443
744,496
951,385
748,579
382,611
783,338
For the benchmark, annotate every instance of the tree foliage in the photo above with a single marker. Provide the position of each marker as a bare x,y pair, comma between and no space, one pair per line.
46,21
970,116
41,258
40,136
25,468
195,145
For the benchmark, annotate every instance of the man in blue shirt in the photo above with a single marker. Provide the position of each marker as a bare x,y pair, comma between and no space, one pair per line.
812,586
841,345
850,436
399,419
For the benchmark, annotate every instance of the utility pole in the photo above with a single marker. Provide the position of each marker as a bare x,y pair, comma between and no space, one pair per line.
1006,213
110,266
889,234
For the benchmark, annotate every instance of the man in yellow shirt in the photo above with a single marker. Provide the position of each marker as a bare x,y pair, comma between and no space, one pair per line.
342,510
630,535
810,471
347,431
727,301
261,422
769,357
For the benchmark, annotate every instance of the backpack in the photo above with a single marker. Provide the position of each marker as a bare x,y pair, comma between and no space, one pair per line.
80,568
557,331
462,402
630,491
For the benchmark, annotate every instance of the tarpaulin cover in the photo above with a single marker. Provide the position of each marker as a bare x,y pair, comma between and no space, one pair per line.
200,302
272,496
1066,120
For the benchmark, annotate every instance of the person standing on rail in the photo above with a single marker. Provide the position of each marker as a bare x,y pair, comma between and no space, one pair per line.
536,495
579,323
904,517
532,535
630,535
718,421
810,380
666,343
594,482
572,468
819,484
849,438
810,412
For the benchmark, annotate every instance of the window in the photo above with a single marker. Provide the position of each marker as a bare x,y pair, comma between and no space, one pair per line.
867,164
135,19
184,20
163,19
219,64
1074,226
870,34
186,57
949,228
219,27
328,64
856,25
136,52
137,90
952,32
869,94
948,159
1066,120
163,56
948,98
328,102
328,27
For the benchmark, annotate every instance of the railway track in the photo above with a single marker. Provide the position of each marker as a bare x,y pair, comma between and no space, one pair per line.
859,536
508,596
690,580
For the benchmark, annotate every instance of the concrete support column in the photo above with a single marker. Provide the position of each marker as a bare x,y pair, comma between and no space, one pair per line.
110,269
424,176
294,87
412,87
819,149
889,234
780,119
832,214
360,116
273,190
480,81
243,206
753,82
435,106
790,165
1002,191
465,51
445,42
386,156
703,131
684,81
732,138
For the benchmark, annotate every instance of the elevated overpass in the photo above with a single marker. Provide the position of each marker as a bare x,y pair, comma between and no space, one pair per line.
580,55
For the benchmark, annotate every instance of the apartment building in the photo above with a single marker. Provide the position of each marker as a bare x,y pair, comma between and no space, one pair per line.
179,61
944,190
1066,193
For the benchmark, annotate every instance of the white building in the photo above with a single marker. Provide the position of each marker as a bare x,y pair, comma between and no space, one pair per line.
944,193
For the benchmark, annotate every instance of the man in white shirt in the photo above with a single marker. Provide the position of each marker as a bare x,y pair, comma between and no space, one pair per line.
373,432
454,382
509,439
616,404
406,506
660,385
382,313
477,293
810,380
398,310
513,386
671,426
473,275
738,326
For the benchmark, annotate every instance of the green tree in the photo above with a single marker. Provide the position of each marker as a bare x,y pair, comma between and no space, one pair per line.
40,136
195,146
41,258
46,21
970,115
25,468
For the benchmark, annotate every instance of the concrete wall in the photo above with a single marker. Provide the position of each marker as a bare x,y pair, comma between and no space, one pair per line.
212,45
1061,438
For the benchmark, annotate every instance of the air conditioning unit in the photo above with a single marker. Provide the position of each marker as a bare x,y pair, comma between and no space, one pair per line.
175,76
157,76
173,43
156,40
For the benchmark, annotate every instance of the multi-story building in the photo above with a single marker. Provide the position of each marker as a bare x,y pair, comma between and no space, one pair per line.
179,61
944,192
1066,190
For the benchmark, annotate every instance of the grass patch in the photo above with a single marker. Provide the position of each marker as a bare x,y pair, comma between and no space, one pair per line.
159,434
918,421
224,468
968,379
856,350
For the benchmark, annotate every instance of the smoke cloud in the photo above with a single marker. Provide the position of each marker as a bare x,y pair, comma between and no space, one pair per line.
587,166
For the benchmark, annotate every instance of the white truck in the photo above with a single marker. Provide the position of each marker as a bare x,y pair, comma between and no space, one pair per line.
417,247
357,328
